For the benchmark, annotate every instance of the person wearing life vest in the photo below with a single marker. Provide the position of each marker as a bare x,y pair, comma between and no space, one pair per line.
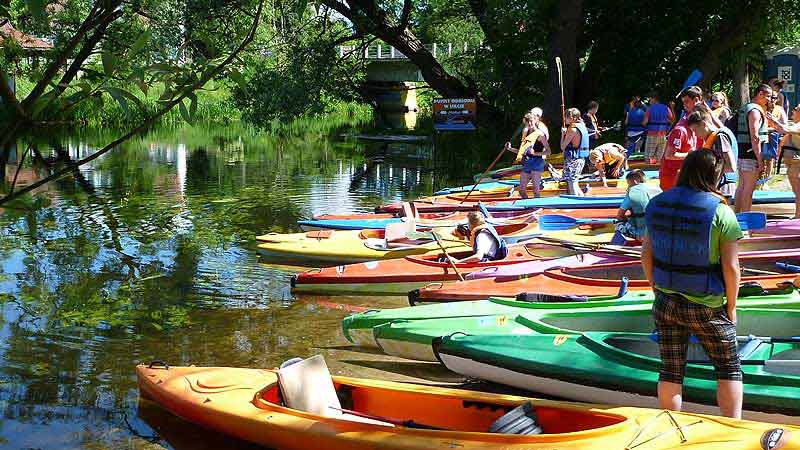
691,258
609,160
658,120
531,153
680,141
790,149
636,199
591,122
751,135
721,141
635,129
575,145
486,244
719,106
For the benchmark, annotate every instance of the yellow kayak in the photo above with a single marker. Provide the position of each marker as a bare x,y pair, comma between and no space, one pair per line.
362,414
331,247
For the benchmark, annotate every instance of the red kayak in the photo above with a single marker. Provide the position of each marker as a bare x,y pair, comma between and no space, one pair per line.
601,279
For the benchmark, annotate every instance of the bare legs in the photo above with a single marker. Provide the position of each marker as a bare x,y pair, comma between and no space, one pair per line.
729,397
745,189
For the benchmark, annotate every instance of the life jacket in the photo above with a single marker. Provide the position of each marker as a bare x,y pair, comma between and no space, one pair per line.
743,137
502,247
590,122
659,118
635,119
583,150
640,196
679,223
531,142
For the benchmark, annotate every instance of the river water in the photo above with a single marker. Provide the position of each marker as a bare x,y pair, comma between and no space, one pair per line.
149,253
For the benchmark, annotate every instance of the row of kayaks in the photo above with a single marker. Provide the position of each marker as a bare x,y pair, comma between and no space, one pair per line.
565,314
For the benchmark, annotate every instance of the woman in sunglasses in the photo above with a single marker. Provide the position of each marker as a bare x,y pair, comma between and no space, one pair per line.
719,140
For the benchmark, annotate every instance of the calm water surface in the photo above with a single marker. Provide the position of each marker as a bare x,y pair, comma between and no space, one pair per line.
149,253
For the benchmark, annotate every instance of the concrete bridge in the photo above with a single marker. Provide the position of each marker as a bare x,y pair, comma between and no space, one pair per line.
392,79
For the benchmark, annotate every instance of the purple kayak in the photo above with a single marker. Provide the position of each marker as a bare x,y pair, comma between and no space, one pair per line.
534,267
790,227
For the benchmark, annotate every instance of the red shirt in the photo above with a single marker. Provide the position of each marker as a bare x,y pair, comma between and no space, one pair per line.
682,139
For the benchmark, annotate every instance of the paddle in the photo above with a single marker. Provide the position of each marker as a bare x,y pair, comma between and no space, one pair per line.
484,211
558,222
398,422
447,255
488,169
788,267
752,220
561,85
692,80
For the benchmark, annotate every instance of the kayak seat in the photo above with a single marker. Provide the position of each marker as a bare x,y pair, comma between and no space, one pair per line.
306,385
520,420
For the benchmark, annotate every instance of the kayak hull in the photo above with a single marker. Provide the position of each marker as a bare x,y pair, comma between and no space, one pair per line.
244,404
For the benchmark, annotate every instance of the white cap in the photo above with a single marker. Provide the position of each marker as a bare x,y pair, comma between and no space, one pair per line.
537,111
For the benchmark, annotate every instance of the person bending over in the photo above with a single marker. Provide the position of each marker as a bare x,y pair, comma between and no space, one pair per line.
608,160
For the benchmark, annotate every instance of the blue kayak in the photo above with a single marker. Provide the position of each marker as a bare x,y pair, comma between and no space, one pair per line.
574,202
346,224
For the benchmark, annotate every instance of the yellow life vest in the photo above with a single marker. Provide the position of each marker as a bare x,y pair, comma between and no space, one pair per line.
708,144
528,142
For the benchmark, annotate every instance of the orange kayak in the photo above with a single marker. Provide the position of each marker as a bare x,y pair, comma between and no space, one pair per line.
246,404
600,279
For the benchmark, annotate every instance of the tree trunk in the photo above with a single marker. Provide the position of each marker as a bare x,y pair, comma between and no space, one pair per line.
741,85
563,43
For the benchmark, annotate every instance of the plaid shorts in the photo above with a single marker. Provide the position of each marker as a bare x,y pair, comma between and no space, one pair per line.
675,318
573,168
654,146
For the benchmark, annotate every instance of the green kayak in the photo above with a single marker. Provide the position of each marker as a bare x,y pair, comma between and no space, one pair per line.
622,368
412,339
358,328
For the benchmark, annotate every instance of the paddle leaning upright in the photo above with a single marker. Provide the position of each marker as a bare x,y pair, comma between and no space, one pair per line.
690,256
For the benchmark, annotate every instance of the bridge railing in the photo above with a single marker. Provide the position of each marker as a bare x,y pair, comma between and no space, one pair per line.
385,52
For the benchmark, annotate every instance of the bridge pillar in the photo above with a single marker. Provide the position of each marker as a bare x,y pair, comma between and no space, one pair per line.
396,103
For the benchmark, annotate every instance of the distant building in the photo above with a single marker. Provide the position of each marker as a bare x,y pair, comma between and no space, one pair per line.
784,63
30,44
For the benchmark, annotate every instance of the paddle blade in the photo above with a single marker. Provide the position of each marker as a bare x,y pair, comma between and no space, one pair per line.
752,220
556,222
693,78
484,211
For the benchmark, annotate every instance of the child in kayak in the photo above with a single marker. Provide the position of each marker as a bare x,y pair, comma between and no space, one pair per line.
486,244
636,199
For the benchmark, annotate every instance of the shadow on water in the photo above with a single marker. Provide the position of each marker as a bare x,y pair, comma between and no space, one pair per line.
149,253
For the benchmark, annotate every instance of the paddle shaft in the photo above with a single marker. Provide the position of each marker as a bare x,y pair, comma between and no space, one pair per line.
488,169
402,423
447,255
561,86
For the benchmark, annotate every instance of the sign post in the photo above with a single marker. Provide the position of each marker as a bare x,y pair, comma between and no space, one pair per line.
454,114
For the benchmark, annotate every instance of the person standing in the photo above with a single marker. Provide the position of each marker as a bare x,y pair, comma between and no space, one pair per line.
635,129
790,149
632,226
680,141
691,258
719,106
658,119
777,87
591,122
575,145
751,135
718,140
532,150
776,115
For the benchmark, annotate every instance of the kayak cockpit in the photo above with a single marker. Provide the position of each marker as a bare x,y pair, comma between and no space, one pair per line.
416,407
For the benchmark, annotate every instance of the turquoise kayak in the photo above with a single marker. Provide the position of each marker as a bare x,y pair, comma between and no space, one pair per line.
413,339
622,368
571,201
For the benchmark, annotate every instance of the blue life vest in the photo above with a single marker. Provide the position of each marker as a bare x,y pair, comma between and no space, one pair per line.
583,151
635,119
679,227
731,135
502,247
659,118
